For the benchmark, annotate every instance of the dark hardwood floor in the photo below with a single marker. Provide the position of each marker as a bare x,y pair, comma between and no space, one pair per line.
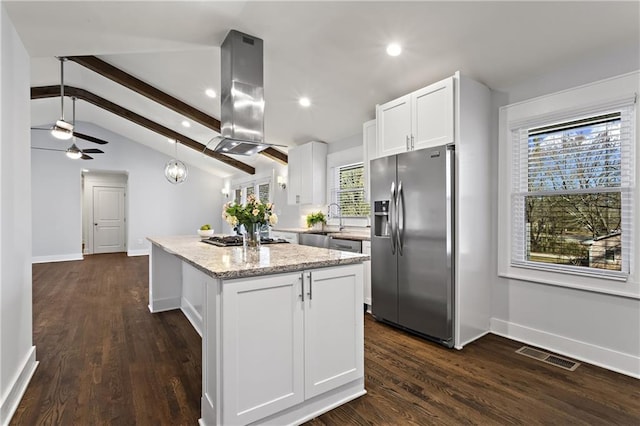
105,360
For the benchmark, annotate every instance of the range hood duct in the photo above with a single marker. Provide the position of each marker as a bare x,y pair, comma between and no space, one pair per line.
242,96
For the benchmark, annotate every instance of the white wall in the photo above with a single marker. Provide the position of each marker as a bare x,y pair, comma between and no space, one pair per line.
155,206
17,353
594,327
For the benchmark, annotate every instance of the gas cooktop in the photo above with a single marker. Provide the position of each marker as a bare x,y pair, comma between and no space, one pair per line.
236,240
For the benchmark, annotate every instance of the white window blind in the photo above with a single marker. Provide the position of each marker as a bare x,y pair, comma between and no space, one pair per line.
571,195
349,191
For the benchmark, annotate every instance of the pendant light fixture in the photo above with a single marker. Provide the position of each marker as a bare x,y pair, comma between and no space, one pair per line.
175,170
62,129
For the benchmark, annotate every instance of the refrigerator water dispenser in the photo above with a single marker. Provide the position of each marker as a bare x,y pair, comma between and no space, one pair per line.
381,218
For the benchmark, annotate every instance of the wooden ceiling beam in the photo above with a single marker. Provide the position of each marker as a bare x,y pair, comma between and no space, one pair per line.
54,91
127,80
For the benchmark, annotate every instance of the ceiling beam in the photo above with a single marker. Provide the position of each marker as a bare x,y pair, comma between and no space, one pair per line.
54,91
125,79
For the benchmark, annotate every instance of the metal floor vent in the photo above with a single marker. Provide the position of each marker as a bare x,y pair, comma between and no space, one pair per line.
558,361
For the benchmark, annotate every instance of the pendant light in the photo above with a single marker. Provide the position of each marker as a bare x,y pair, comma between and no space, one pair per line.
62,129
175,170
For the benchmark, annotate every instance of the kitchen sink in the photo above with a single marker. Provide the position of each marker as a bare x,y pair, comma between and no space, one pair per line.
315,240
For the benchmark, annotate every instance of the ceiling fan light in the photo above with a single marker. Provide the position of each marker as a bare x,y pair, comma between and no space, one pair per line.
60,133
73,152
62,130
74,155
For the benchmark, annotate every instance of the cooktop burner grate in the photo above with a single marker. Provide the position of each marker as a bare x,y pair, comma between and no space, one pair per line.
236,240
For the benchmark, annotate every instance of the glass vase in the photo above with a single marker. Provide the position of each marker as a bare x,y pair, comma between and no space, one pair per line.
251,236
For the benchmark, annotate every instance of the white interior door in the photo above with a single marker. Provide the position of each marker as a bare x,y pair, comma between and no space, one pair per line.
108,219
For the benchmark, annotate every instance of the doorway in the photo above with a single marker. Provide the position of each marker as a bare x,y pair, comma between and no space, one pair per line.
104,218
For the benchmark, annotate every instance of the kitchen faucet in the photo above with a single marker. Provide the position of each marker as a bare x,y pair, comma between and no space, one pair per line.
340,226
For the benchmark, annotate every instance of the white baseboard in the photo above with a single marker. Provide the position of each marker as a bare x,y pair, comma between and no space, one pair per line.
57,258
17,389
192,315
161,305
602,357
140,252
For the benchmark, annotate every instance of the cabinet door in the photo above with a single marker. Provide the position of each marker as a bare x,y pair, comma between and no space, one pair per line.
262,347
334,335
432,115
394,126
366,291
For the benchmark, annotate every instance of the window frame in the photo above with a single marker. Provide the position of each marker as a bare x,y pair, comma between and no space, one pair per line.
556,107
521,191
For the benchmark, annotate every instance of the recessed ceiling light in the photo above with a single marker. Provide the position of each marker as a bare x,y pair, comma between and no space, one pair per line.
305,102
394,49
210,93
171,140
185,123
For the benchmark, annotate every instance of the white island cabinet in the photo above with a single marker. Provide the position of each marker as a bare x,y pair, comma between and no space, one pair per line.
283,336
280,349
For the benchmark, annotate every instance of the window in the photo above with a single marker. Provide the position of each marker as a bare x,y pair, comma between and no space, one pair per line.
237,196
264,192
571,194
349,193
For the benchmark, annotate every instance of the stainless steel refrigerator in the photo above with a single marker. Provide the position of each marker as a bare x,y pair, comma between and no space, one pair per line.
412,252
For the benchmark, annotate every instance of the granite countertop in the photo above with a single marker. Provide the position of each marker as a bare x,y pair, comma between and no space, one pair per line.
233,262
361,234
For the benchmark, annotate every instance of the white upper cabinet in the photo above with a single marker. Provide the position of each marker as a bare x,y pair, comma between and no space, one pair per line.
418,120
394,126
307,171
432,115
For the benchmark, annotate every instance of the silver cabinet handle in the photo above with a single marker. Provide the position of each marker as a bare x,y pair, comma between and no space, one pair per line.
412,146
407,142
301,287
392,203
310,294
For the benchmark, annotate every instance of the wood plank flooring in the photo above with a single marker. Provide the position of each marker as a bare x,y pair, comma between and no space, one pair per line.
105,360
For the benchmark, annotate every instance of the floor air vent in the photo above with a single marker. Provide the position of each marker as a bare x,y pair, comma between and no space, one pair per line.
567,364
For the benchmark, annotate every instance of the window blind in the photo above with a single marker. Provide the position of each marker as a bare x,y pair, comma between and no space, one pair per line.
349,191
571,197
263,192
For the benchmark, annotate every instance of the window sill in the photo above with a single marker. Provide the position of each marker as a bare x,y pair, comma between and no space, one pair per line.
631,289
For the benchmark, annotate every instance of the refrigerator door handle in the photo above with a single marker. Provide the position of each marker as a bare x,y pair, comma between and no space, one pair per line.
400,218
392,225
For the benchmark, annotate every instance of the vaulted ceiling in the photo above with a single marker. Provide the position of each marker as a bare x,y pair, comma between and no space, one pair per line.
332,52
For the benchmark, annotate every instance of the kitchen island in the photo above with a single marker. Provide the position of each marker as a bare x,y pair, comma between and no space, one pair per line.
282,329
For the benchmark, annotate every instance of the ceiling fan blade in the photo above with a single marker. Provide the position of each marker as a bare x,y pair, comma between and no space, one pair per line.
90,138
92,151
49,149
86,157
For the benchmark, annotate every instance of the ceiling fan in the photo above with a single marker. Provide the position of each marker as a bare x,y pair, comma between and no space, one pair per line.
63,129
73,151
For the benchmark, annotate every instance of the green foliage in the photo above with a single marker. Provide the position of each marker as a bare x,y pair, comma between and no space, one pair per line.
314,218
253,212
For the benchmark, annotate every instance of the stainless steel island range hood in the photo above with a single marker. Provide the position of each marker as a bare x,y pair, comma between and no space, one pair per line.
242,96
